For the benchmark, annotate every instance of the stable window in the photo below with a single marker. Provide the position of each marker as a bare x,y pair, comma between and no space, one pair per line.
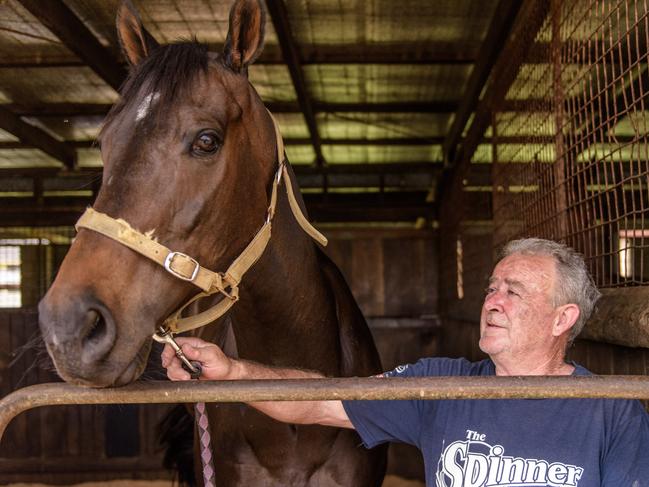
633,262
10,279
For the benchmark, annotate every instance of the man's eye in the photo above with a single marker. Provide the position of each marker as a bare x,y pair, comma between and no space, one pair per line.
513,293
489,290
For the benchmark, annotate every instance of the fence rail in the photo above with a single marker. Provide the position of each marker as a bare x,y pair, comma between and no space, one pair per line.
529,387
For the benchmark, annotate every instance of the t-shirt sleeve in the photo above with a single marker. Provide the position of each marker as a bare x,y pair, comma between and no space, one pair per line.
380,421
626,460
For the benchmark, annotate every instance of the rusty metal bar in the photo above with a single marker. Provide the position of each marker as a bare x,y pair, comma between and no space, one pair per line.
530,387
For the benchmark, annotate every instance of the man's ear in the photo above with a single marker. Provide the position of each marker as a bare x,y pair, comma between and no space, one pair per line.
568,314
245,39
135,40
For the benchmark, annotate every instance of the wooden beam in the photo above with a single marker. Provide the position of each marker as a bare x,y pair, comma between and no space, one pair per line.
528,21
101,109
425,54
279,17
379,142
622,317
392,53
387,168
64,23
36,137
299,169
445,107
335,207
499,29
385,141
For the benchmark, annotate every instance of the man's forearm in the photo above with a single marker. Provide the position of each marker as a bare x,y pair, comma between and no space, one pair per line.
330,413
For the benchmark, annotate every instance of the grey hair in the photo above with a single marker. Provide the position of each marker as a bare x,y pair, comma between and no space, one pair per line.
575,285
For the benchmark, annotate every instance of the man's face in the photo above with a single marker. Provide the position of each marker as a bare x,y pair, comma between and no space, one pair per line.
518,312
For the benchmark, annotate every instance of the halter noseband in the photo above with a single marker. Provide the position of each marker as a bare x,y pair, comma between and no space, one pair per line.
184,267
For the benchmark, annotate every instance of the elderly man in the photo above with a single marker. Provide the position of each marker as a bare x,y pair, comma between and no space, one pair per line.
538,299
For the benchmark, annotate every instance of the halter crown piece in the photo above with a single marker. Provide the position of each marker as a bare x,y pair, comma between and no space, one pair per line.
184,267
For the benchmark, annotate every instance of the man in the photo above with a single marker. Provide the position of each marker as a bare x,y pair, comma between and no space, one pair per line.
539,297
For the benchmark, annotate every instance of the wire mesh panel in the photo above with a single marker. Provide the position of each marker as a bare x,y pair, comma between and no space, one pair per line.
580,172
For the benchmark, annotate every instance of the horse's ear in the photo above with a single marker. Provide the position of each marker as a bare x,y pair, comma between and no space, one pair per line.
136,41
245,39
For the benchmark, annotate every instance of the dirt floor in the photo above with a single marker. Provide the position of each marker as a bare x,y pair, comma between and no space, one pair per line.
390,481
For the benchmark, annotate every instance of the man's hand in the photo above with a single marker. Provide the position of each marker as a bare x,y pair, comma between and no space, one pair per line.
215,364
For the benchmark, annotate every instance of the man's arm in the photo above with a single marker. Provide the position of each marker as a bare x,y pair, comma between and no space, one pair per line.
218,366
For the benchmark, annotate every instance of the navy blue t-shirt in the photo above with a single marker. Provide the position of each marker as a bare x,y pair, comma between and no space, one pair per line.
512,442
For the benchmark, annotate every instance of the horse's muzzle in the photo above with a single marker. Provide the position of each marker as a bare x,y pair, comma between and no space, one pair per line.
80,334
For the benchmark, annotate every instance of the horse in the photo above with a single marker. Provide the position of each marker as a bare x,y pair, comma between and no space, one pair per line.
191,159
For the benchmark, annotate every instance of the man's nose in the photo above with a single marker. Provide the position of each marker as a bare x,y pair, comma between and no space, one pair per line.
493,301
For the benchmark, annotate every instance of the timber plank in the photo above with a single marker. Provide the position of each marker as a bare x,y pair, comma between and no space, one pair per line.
367,276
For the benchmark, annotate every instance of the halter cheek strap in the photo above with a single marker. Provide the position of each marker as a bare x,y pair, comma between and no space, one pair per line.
184,267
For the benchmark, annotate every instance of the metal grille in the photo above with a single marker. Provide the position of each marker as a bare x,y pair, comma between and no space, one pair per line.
578,171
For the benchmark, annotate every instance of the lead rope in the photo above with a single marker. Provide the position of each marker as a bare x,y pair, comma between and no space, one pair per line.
165,336
205,440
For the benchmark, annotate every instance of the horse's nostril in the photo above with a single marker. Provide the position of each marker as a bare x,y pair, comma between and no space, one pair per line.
97,326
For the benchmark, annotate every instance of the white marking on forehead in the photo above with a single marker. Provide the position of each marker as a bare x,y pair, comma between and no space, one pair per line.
144,107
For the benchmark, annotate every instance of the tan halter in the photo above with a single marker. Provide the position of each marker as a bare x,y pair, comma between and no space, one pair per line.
188,269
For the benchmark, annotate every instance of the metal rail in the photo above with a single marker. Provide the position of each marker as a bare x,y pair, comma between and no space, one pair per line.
163,392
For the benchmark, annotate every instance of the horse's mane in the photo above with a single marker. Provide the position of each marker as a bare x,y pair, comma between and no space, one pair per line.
168,71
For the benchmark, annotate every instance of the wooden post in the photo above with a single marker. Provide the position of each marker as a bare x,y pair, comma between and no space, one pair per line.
560,189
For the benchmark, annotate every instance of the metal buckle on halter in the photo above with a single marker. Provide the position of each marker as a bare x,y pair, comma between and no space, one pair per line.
169,261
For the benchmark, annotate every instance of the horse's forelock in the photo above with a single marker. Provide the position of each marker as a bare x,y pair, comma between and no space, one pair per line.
168,72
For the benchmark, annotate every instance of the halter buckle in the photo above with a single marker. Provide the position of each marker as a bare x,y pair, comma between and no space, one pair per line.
169,262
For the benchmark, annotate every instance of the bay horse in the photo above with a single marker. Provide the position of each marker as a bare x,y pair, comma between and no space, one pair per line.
190,161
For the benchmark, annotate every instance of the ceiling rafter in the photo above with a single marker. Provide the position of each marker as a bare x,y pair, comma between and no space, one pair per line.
422,54
299,169
101,109
279,17
434,107
364,142
64,23
335,207
526,24
499,29
36,137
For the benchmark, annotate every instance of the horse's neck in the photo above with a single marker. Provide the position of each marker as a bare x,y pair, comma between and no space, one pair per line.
286,314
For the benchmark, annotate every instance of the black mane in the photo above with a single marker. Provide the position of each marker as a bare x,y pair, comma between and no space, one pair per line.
169,71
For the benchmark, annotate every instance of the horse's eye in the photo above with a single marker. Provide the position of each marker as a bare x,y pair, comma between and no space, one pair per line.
205,144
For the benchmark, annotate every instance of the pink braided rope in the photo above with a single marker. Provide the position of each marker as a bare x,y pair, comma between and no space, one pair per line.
203,427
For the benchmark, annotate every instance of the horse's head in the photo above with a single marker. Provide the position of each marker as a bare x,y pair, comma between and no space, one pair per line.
189,155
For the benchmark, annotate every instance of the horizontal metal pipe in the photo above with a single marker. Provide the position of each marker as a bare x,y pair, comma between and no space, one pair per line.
164,392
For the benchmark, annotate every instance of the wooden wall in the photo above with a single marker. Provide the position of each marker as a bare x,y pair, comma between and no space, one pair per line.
391,272
69,444
393,275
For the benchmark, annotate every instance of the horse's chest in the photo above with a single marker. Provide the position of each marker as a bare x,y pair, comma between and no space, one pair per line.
251,449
